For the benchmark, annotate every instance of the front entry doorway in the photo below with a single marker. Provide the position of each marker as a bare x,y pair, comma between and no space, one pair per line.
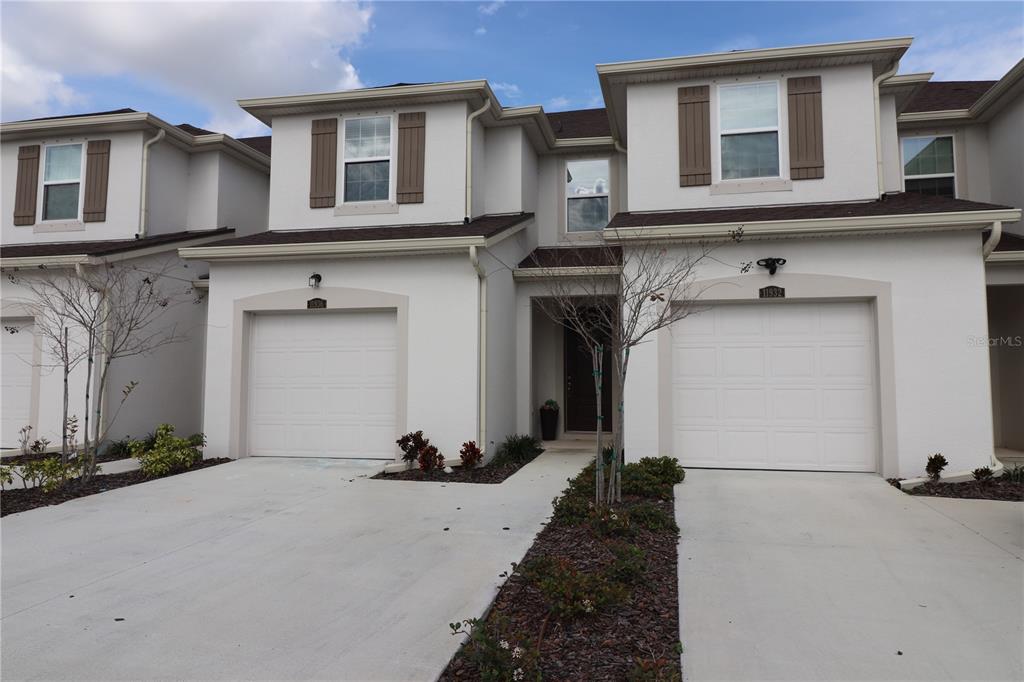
580,396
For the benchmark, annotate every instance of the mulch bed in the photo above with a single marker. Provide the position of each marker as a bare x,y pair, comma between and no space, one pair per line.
485,474
21,459
22,499
609,644
997,489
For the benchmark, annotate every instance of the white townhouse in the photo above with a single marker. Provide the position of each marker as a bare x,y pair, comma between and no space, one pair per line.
80,192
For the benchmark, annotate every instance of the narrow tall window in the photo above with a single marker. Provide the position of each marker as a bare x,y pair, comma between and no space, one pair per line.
749,130
62,178
928,166
586,195
367,149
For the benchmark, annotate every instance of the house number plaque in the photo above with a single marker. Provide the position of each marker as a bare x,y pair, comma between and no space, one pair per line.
316,303
771,292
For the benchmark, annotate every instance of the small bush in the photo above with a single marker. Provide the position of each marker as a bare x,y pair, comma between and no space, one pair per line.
517,449
6,476
629,565
1014,474
654,518
470,454
936,463
49,473
429,459
169,453
610,523
119,448
652,477
411,444
497,654
550,404
572,509
653,670
982,474
568,592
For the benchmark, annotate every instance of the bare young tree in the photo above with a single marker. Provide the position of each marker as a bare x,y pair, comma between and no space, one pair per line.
615,297
114,310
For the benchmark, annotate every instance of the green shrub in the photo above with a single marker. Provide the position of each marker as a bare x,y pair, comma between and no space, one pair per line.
568,592
6,476
49,473
169,454
572,509
497,654
1014,474
654,670
629,565
517,449
936,463
982,474
608,522
119,448
652,477
654,518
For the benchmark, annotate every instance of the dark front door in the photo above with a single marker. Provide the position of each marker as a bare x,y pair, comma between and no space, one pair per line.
580,396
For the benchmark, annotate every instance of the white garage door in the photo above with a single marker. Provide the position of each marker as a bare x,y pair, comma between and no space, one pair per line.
16,354
323,385
776,386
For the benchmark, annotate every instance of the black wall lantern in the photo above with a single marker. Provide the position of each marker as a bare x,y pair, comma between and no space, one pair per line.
773,264
314,280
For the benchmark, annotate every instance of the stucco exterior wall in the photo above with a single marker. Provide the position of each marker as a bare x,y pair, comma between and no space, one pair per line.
442,342
1006,156
892,168
122,195
848,132
941,400
203,187
167,190
503,177
444,173
243,193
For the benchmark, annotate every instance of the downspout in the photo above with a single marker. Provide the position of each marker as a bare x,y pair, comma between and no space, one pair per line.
145,180
482,350
880,164
469,159
993,239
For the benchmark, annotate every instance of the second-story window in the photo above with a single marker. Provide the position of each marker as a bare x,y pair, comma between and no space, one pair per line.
749,130
367,155
586,195
928,165
62,181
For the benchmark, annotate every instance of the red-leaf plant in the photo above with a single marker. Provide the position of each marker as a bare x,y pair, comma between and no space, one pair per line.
470,454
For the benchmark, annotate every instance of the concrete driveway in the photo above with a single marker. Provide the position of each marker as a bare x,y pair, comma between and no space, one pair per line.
263,569
809,576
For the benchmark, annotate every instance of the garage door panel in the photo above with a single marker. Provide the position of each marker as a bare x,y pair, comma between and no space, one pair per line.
794,387
323,385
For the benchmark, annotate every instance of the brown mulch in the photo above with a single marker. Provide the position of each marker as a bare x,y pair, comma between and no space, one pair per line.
607,645
22,499
996,489
484,474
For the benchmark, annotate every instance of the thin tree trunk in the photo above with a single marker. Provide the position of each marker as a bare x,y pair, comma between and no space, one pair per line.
597,360
64,413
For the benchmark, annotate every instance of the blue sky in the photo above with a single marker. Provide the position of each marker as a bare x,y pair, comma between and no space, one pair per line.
190,61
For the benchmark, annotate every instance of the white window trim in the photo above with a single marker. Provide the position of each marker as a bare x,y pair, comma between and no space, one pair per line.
392,166
41,208
777,129
903,162
567,198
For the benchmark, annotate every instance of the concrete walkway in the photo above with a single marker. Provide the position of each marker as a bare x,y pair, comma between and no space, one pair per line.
263,569
808,576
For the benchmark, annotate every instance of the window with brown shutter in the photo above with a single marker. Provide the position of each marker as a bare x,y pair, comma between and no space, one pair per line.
97,169
694,136
412,140
806,150
323,171
27,183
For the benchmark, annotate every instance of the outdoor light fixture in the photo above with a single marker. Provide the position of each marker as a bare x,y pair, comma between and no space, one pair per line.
773,264
314,280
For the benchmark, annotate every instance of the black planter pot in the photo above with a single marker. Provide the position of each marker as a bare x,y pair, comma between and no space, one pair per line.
548,424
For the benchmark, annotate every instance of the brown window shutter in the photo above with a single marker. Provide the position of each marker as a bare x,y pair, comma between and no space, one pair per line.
695,136
412,140
97,168
28,183
806,151
323,171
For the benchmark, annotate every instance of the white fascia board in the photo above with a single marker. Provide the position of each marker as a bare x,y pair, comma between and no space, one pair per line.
930,116
71,260
1006,257
66,261
818,226
568,272
370,247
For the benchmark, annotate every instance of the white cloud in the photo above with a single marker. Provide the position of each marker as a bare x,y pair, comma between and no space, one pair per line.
211,53
480,30
509,90
966,52
490,8
559,102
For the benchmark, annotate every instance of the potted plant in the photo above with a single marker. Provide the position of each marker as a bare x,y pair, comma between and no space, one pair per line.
549,420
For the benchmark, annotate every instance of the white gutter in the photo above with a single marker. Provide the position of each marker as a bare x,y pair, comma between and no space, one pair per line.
993,238
482,350
876,92
145,180
469,157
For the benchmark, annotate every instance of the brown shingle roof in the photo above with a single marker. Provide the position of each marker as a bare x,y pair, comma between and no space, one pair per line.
103,248
572,257
904,203
484,226
260,143
90,113
948,95
1010,242
580,123
194,130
